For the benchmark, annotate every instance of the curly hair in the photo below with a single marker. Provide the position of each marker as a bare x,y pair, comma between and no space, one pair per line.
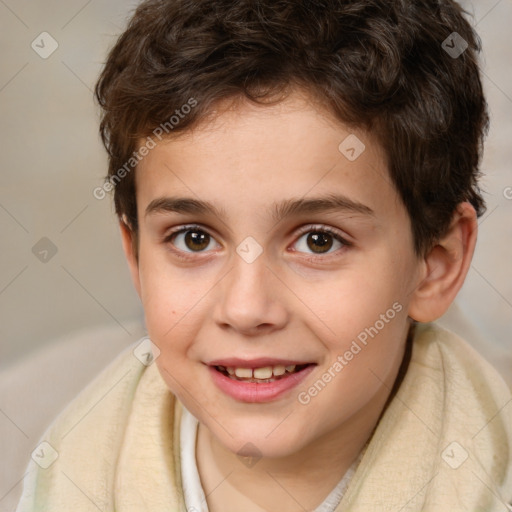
380,65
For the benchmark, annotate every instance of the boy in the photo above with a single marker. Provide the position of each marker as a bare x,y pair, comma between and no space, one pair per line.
296,184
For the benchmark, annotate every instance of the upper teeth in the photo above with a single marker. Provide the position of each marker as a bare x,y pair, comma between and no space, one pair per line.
265,372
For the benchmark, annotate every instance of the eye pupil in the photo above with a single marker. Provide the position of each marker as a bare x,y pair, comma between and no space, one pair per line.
197,240
320,241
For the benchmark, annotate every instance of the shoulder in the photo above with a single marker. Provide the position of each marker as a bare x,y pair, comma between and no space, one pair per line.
108,394
448,428
471,398
87,435
458,361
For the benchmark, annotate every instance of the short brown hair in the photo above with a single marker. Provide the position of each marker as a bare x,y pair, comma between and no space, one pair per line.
377,64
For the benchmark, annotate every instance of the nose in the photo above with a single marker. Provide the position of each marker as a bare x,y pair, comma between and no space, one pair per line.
252,299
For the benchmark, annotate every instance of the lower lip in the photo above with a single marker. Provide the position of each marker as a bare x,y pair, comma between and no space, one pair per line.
254,392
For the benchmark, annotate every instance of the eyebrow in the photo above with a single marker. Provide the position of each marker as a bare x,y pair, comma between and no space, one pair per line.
279,211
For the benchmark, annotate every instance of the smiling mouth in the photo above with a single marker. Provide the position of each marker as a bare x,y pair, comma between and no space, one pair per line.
262,375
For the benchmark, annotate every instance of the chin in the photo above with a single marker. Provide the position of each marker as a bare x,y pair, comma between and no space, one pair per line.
258,441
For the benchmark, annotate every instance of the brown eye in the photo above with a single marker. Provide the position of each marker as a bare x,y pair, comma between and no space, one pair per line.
319,242
191,240
197,240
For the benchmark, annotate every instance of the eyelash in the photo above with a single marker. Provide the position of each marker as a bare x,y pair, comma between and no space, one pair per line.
302,231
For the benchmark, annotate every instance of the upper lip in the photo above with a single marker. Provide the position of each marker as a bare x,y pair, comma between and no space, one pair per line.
260,362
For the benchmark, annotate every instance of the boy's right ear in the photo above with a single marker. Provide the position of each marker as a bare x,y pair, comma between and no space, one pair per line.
129,247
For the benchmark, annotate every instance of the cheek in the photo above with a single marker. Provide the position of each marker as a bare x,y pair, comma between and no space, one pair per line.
363,325
353,300
167,292
362,359
171,304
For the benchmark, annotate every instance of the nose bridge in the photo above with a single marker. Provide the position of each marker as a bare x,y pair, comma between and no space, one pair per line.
250,297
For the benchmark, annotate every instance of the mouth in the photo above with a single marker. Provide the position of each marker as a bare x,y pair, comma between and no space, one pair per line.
262,379
261,375
259,380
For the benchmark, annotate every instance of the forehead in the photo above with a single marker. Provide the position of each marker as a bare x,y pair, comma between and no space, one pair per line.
252,156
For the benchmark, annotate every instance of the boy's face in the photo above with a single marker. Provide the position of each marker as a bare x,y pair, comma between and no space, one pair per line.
261,280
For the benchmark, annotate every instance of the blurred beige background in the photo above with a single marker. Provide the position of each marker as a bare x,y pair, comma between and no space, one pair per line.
67,306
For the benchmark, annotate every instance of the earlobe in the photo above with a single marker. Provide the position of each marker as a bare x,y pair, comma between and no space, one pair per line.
445,267
129,247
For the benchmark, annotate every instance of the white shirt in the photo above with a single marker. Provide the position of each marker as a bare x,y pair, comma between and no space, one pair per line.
195,500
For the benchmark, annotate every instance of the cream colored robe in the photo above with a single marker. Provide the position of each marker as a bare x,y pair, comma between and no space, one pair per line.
443,444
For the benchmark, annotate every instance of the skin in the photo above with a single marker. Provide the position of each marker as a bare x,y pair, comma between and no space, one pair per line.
291,302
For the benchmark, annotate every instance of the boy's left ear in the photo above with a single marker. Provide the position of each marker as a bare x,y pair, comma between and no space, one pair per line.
445,267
